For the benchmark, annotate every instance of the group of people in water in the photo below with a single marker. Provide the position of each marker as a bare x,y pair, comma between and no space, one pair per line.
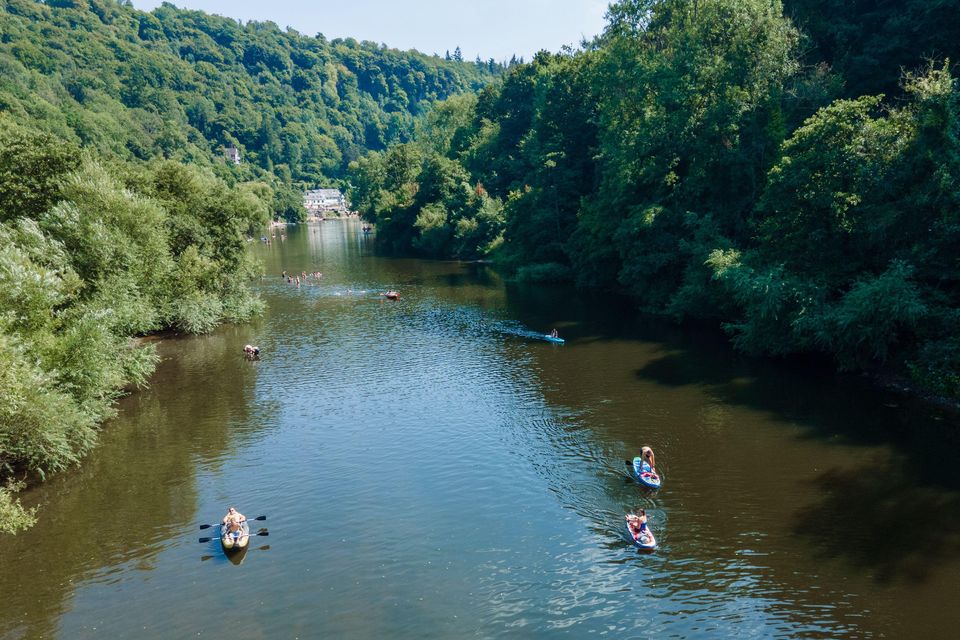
294,278
637,522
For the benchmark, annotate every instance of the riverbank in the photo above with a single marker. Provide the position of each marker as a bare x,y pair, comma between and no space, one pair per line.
440,400
80,286
904,386
315,218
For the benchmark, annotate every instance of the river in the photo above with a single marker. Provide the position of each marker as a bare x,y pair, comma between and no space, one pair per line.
430,471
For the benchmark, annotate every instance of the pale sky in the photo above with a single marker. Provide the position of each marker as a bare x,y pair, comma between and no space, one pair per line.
492,28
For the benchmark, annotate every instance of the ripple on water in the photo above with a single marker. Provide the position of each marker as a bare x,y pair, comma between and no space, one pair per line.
430,470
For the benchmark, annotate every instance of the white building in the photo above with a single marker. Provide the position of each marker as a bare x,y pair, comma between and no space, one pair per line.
233,154
319,200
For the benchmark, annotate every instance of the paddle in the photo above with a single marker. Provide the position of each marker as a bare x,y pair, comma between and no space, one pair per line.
207,526
259,533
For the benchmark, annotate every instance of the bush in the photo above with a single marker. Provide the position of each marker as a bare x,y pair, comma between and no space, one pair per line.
13,517
197,313
543,273
937,367
164,247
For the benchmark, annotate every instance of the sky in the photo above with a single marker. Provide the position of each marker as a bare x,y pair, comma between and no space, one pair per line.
491,28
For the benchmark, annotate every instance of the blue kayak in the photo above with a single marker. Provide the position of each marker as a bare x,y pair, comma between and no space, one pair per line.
643,540
643,474
550,338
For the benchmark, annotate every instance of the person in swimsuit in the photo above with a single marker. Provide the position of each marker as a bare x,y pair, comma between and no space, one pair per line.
554,334
647,454
232,522
637,522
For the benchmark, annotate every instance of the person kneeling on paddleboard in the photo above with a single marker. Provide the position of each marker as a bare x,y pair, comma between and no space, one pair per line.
637,522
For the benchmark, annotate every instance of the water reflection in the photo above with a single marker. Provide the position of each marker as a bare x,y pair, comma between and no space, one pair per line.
429,472
882,521
135,496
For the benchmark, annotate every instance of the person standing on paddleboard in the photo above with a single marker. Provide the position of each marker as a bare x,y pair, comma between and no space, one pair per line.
647,454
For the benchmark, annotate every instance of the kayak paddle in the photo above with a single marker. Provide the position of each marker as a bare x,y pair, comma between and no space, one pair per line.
207,526
259,533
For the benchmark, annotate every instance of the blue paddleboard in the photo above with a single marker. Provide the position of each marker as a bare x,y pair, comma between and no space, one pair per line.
643,540
644,475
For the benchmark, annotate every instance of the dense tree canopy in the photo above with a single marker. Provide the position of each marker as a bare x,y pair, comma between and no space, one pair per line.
92,253
119,212
719,159
183,84
867,42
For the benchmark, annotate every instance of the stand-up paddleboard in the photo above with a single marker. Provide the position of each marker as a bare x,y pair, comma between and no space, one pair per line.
643,474
550,338
643,540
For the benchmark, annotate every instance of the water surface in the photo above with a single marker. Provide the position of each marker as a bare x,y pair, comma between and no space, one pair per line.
430,471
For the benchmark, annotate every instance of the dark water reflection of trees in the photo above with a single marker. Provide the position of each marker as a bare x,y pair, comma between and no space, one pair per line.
898,516
136,490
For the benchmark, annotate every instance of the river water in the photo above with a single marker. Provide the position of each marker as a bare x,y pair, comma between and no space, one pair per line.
428,470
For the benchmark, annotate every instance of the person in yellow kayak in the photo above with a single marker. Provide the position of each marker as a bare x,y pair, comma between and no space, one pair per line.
233,521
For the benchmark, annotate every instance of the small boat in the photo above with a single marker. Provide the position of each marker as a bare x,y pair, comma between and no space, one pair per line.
643,474
392,295
643,540
550,338
232,542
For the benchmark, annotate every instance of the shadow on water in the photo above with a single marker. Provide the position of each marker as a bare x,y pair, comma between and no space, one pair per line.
877,518
472,275
897,517
841,409
136,495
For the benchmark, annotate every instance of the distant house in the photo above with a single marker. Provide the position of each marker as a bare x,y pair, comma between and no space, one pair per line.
321,200
232,154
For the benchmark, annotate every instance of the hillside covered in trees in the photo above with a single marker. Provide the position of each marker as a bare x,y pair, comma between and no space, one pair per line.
183,85
120,216
790,171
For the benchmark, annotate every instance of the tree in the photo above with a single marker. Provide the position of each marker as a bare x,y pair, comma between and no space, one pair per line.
32,165
288,205
688,96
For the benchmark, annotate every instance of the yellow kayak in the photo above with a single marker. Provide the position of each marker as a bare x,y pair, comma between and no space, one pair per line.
237,540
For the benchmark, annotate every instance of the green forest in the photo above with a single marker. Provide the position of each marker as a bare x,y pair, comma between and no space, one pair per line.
184,85
119,213
789,171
